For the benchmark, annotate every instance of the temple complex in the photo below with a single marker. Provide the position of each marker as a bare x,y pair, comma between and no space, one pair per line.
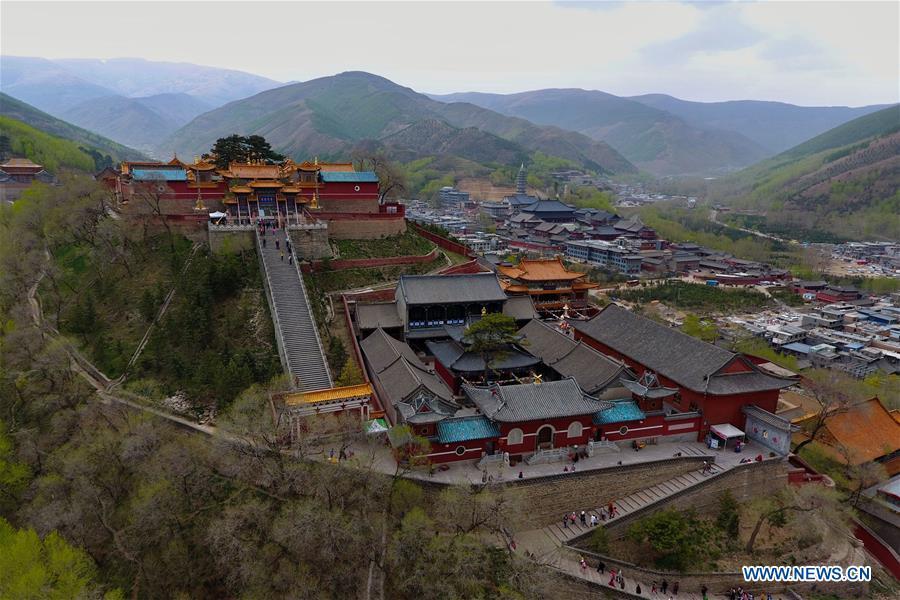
551,286
245,193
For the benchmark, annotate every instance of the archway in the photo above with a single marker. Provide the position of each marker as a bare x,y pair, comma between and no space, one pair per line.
545,438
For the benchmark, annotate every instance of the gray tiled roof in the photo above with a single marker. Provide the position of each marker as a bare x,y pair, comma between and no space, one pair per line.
542,206
441,289
592,370
378,314
532,402
398,370
683,359
520,308
452,355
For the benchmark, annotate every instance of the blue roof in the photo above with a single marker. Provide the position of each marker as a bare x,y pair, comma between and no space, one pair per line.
349,177
622,410
464,429
159,174
797,347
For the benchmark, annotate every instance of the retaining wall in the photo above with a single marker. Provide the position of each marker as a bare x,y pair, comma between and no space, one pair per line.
362,263
442,241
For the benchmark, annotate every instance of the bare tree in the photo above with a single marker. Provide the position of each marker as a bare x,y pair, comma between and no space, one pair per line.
831,393
369,156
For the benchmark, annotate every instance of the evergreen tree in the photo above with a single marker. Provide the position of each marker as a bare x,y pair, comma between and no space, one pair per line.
147,306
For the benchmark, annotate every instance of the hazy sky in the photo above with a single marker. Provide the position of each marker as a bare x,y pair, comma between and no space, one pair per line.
802,52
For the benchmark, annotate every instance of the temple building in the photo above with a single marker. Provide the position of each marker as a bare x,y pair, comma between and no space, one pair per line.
349,201
17,175
550,211
710,380
440,306
548,282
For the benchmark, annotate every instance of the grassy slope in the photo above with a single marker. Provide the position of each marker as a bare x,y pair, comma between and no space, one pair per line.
406,244
20,111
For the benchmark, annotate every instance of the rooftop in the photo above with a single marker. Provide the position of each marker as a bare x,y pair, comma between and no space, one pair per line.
450,289
541,269
174,174
464,429
348,176
534,401
622,410
592,370
685,360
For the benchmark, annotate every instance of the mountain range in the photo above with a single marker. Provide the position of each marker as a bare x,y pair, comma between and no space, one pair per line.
845,181
329,115
668,136
133,101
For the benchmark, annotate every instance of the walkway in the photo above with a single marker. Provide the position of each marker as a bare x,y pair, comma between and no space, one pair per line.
295,329
549,545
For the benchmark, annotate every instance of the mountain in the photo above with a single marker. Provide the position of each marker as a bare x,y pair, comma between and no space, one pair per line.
20,111
327,116
845,181
138,122
775,126
651,138
45,84
135,77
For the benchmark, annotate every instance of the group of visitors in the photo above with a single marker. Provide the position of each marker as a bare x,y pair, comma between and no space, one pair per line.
739,593
265,226
605,512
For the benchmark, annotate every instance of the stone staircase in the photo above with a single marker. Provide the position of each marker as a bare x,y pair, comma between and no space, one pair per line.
639,500
295,329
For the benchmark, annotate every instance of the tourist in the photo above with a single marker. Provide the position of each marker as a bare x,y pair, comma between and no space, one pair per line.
277,244
653,588
612,509
282,256
593,520
290,259
675,588
583,518
565,469
612,578
583,564
732,595
572,517
521,475
601,567
566,521
637,589
703,592
664,586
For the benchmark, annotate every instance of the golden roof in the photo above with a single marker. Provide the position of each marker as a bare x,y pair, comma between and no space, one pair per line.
254,171
541,269
348,392
241,189
202,166
291,189
266,183
336,167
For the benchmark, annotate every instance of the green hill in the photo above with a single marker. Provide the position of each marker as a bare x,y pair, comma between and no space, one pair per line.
327,116
52,152
650,138
845,181
16,110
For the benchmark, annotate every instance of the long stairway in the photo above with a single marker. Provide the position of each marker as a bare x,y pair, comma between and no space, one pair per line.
636,501
301,348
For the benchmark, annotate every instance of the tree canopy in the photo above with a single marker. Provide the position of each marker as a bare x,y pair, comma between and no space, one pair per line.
242,149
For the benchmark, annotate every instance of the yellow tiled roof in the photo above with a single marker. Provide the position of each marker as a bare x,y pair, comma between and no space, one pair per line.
329,395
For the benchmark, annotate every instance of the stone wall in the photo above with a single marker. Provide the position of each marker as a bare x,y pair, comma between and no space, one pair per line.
547,498
743,481
367,263
365,229
311,244
230,241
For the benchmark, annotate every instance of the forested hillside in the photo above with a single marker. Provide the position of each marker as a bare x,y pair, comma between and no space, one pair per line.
16,110
50,151
130,506
845,181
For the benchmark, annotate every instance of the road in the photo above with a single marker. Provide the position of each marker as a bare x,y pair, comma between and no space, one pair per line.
713,216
